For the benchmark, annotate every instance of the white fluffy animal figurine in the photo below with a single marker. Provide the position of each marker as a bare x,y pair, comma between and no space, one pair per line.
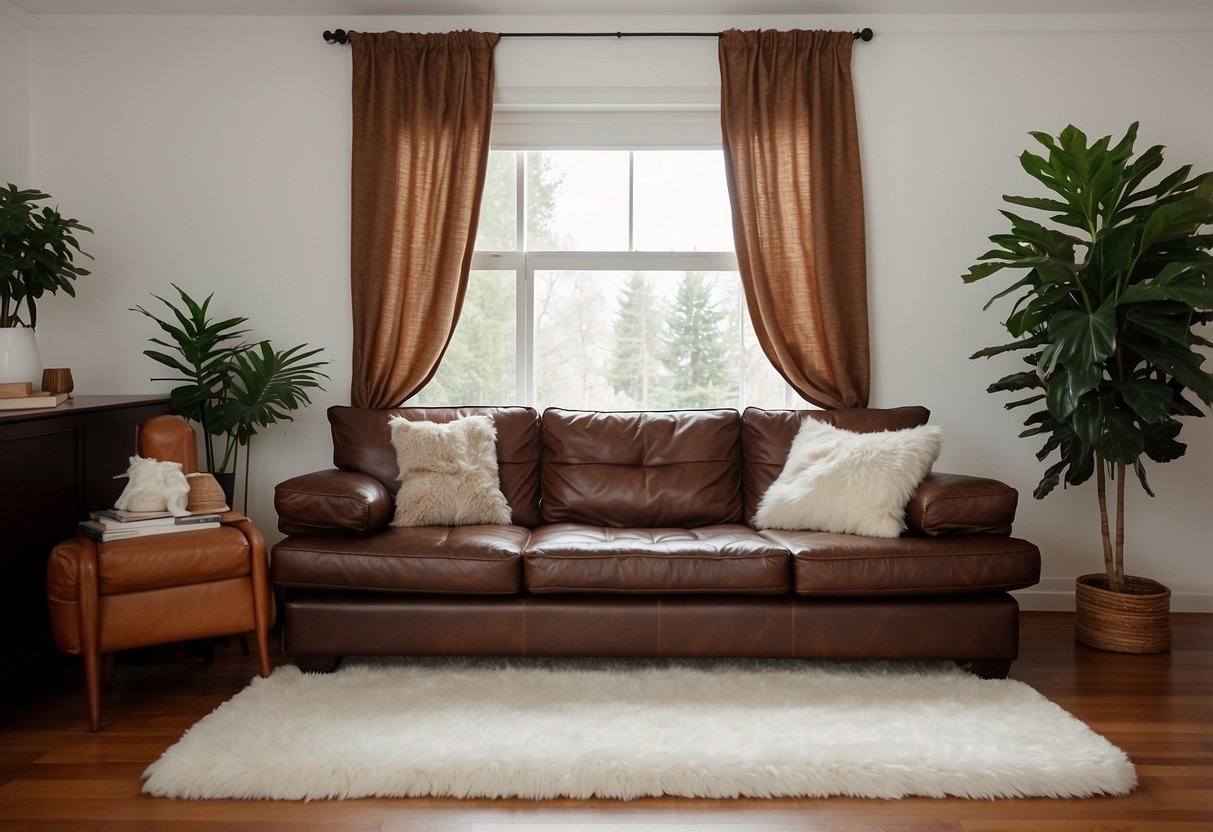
154,486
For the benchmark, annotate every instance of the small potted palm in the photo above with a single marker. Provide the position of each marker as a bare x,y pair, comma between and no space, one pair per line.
38,251
230,386
1117,282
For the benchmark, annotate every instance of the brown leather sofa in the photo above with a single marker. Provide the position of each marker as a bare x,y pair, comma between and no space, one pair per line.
629,538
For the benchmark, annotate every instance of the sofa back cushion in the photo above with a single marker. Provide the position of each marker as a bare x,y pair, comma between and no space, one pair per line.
642,469
362,442
766,437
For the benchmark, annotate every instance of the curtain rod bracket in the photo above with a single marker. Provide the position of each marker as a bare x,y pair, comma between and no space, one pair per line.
342,36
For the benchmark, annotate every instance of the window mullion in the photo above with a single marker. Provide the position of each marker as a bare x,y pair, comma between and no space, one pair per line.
631,200
526,331
520,200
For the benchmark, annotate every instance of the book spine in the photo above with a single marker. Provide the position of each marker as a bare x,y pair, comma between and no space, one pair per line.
112,520
194,519
97,531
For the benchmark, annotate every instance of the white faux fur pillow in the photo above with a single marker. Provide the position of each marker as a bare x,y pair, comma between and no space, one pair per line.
448,473
852,483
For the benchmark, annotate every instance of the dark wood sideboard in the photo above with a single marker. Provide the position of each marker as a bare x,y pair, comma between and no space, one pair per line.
56,465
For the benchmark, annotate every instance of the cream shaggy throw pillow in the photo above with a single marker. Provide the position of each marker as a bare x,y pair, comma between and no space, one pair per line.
837,480
448,473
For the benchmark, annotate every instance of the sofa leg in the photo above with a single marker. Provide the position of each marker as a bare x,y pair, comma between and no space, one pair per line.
317,664
987,668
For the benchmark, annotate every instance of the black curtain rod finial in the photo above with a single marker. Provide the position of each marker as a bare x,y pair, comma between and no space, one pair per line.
864,34
336,36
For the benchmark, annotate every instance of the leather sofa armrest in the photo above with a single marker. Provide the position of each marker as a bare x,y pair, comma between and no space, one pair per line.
957,504
332,500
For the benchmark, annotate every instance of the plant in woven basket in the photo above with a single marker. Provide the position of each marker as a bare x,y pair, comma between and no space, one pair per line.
1117,282
230,386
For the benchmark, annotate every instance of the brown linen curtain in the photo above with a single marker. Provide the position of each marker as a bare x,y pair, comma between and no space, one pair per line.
422,109
791,149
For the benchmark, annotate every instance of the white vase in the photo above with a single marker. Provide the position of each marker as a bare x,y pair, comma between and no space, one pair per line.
19,360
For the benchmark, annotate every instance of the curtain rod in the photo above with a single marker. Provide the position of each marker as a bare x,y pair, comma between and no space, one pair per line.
342,36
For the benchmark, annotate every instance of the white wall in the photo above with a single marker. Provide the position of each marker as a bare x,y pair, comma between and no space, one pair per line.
14,100
214,154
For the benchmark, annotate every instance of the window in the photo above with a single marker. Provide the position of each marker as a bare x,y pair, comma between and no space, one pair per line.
605,280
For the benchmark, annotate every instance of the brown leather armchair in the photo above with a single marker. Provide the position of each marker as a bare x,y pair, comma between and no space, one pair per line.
107,597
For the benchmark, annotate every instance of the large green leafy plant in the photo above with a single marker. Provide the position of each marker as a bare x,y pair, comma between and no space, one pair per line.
231,387
1118,281
37,254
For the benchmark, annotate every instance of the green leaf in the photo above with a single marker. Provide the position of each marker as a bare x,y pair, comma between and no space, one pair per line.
1165,185
1177,281
1062,395
982,270
1016,381
1081,459
1087,420
1151,400
1084,338
1121,441
1140,470
1026,280
1176,219
1112,255
1043,204
1026,343
1162,327
1182,364
1046,240
1160,442
1050,479
1022,402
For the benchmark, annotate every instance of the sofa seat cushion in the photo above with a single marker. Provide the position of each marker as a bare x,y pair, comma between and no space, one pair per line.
844,564
467,560
573,557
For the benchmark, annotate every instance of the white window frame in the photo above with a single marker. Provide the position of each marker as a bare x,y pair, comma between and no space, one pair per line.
524,264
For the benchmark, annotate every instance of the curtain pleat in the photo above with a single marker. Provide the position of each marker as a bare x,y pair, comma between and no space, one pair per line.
422,109
792,164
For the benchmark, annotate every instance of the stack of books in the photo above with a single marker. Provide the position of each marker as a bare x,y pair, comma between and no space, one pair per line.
113,524
20,395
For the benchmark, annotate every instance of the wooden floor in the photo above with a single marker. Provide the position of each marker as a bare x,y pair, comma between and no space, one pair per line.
54,775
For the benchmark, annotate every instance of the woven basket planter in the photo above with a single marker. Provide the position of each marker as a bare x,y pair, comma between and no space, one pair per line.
1137,620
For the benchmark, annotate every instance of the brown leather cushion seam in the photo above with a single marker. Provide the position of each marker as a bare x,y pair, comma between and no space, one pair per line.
345,498
627,590
809,556
388,589
635,465
968,495
658,556
926,589
104,592
511,558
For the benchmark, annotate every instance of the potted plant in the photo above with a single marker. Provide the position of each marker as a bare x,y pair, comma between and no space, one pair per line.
231,387
37,257
1118,279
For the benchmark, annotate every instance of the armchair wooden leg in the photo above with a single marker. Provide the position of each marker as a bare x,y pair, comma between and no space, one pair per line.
243,638
90,634
263,600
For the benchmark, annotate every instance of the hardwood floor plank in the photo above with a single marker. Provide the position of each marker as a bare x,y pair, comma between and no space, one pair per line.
54,775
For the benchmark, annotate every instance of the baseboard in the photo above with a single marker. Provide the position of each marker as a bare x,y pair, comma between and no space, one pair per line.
1057,595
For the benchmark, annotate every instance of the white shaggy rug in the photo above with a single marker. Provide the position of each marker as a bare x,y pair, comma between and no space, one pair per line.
612,729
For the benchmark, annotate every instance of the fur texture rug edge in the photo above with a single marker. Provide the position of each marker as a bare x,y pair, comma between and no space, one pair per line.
628,729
